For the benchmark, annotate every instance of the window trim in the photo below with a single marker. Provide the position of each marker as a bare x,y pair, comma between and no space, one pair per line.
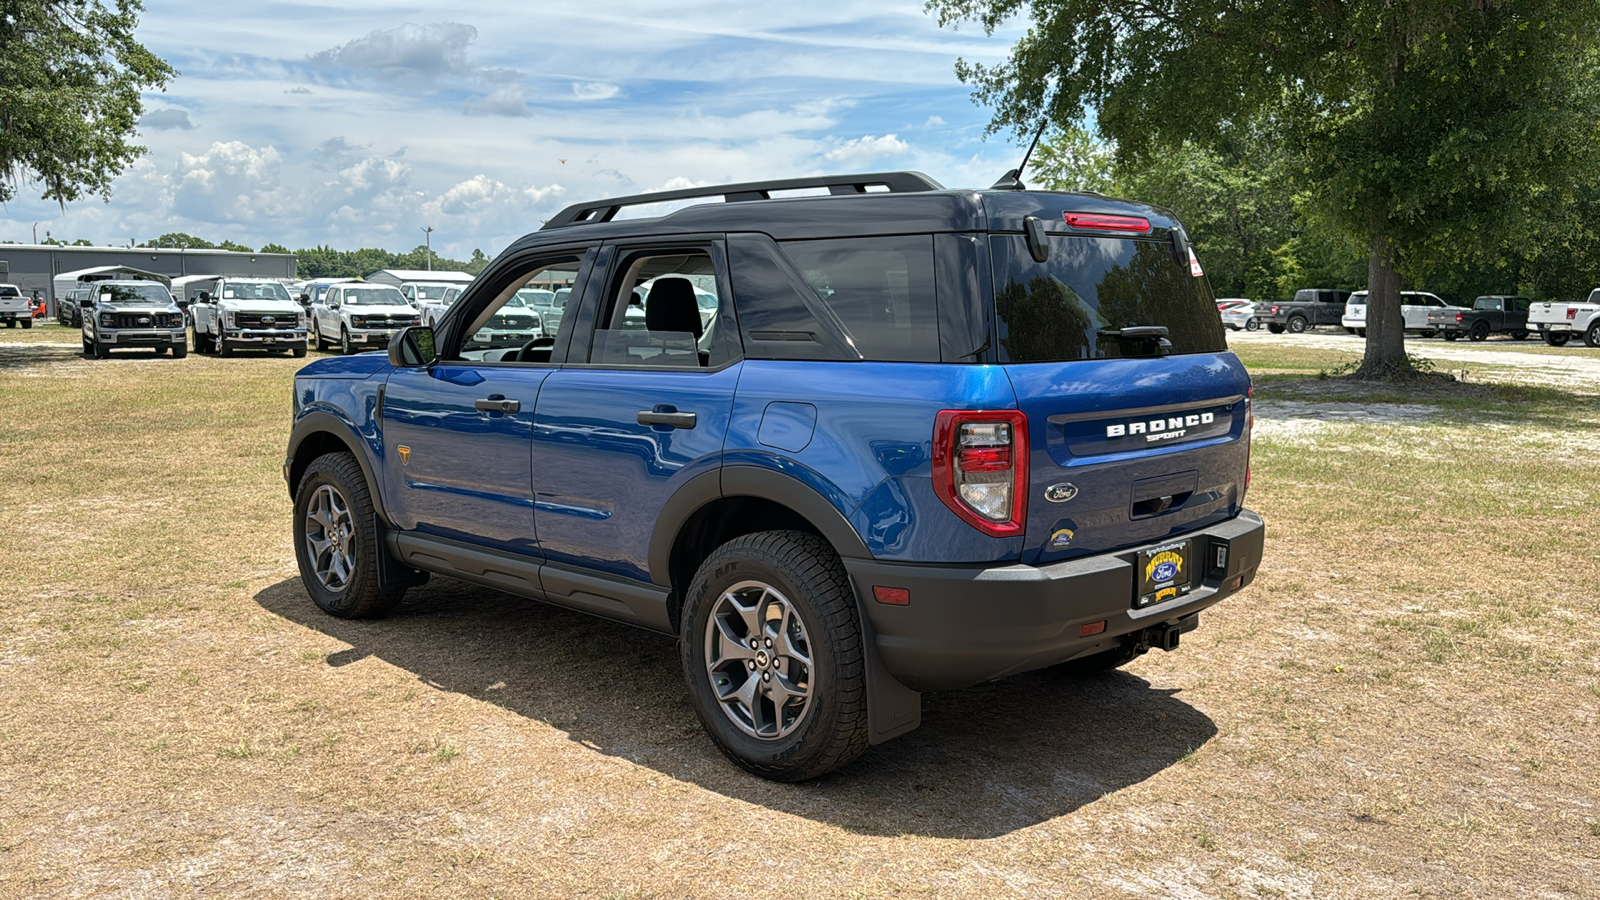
602,290
501,274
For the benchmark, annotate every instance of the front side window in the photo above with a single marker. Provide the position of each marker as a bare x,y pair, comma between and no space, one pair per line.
1077,304
510,329
135,295
664,309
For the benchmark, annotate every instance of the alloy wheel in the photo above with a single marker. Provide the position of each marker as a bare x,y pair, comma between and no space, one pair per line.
331,538
758,657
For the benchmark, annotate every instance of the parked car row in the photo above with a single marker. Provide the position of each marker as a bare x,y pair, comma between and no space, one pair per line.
1425,314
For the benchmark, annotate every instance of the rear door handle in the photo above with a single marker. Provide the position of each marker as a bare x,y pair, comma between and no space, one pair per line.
498,405
675,419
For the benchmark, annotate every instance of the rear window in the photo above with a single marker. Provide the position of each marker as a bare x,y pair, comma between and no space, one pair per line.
881,290
7,290
1068,307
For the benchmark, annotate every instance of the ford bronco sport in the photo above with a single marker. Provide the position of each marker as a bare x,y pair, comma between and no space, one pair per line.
924,439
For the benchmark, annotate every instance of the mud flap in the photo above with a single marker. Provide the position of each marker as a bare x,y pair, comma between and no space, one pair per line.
393,574
892,708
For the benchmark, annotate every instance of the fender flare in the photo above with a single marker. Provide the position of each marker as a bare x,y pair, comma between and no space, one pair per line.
748,481
319,421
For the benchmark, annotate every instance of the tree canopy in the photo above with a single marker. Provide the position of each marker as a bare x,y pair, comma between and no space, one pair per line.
1421,130
71,74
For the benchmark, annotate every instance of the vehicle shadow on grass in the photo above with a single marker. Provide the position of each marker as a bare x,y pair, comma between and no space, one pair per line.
987,761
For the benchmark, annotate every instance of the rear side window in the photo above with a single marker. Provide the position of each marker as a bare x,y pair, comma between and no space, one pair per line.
1071,306
881,290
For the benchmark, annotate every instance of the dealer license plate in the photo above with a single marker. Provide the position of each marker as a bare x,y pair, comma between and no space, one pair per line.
1163,574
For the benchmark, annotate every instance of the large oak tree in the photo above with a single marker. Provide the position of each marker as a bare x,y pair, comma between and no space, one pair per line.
1422,127
71,74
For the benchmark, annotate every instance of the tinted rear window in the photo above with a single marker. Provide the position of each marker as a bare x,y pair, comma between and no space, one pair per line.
881,289
1056,311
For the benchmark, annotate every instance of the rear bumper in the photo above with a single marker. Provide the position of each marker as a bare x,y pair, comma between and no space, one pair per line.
968,624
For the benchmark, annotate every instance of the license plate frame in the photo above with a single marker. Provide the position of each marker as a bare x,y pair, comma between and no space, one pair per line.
1163,573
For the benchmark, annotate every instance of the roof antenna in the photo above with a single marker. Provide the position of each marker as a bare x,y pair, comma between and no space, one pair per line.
1012,180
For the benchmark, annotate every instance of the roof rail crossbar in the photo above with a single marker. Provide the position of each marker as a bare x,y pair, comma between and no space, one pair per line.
596,211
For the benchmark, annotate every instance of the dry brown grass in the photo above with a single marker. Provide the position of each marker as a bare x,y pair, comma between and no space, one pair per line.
1405,703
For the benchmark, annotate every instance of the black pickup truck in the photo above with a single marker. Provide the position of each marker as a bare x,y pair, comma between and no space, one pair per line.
1309,308
1489,315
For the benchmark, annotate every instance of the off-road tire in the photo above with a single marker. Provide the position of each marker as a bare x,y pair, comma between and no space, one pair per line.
1297,324
1480,332
1557,338
804,569
359,598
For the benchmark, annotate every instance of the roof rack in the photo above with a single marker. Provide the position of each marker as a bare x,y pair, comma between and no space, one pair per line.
605,210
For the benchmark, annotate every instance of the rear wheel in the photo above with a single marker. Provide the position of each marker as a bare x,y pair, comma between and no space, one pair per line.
1253,324
772,651
1591,337
1275,328
1519,335
336,539
1557,338
1361,332
1297,324
1451,336
1480,331
27,323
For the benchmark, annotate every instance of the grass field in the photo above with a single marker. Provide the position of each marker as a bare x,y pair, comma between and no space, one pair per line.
1406,703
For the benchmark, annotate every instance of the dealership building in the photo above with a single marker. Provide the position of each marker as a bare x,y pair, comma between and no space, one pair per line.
32,267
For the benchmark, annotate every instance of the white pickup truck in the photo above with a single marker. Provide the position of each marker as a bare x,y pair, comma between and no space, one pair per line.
247,314
1557,323
15,308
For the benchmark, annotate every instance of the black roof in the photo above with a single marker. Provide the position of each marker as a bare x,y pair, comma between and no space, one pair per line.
903,203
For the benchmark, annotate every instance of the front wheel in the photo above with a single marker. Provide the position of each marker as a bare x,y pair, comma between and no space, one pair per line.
336,539
1557,338
101,351
299,353
180,351
344,342
772,651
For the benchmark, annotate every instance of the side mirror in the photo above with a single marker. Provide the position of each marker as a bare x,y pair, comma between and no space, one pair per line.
203,297
184,304
412,348
86,303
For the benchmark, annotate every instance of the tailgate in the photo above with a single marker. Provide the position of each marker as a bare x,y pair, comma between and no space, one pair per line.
1126,452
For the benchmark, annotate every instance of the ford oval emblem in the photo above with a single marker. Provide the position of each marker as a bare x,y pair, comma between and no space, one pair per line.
268,320
1061,493
1164,572
144,320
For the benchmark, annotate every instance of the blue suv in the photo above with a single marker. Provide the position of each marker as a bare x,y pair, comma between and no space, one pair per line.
849,439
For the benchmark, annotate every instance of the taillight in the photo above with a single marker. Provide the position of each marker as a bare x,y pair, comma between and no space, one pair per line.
1274,310
1460,317
980,468
1094,222
1572,313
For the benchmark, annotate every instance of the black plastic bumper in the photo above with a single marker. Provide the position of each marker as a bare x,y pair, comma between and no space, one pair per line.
968,624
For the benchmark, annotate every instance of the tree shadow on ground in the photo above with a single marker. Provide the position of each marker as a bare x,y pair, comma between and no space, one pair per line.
987,761
29,356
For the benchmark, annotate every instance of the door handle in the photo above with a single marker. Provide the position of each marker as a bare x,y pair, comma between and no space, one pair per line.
500,405
675,419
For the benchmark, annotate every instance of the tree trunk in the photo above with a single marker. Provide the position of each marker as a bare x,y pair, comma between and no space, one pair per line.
1386,327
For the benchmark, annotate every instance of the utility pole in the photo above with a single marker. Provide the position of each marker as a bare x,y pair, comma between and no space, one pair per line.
427,233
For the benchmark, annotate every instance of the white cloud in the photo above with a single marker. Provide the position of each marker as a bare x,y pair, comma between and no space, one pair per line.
933,122
410,52
510,100
867,148
166,120
594,90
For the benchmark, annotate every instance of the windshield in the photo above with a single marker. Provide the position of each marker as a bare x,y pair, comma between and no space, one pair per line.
151,294
1075,305
374,296
431,291
254,290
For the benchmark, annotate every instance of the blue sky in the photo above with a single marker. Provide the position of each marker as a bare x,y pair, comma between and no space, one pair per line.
358,124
